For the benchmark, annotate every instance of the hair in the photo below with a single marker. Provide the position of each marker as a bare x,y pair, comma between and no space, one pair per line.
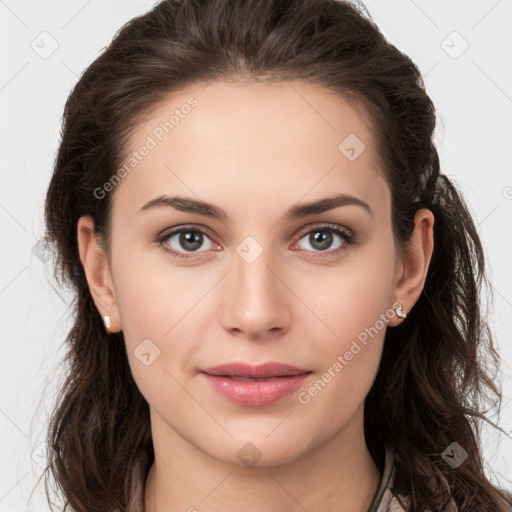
436,373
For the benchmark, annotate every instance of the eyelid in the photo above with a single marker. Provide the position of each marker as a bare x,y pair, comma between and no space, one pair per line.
327,226
168,232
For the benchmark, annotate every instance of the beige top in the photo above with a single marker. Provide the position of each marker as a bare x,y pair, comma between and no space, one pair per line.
393,494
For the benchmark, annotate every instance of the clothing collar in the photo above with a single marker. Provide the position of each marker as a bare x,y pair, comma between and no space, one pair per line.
393,494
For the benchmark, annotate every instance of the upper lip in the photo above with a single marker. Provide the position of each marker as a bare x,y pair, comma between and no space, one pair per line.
261,371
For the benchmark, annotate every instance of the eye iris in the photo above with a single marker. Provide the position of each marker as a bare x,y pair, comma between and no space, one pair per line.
192,237
323,238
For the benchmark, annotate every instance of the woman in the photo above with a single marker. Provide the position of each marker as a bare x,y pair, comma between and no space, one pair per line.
315,346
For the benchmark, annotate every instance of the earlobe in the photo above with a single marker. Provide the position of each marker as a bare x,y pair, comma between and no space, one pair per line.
414,264
97,271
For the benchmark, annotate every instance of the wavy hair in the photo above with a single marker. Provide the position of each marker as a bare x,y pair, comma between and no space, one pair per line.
438,367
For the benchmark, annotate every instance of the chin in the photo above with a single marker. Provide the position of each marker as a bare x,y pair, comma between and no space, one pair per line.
260,452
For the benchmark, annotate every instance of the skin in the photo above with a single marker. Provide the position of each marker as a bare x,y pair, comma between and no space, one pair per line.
255,150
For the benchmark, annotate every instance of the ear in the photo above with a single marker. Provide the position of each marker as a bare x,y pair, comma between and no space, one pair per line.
412,267
97,271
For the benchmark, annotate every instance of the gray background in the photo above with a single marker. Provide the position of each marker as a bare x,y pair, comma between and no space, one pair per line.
471,88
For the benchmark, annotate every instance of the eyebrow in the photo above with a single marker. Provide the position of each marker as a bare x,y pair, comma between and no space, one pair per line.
299,211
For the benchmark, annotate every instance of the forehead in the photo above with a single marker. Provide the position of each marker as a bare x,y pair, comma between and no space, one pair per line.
226,140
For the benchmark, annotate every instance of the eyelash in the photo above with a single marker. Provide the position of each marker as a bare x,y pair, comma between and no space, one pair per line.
347,238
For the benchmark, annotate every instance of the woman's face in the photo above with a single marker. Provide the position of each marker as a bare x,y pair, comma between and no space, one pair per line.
266,281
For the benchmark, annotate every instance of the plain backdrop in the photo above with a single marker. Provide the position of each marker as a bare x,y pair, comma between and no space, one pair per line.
463,51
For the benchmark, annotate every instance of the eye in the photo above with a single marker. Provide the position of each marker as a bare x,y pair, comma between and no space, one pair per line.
189,239
183,240
321,238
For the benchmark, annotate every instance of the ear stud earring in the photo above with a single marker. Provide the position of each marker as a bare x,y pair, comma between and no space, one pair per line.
400,313
106,321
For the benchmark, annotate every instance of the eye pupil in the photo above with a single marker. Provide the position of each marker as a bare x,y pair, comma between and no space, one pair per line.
323,238
192,237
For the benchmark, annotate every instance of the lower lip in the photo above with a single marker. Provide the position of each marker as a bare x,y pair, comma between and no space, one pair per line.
256,393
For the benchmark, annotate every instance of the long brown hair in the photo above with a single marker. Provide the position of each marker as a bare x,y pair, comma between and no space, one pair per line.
437,369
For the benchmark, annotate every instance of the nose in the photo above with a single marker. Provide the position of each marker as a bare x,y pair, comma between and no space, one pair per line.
256,303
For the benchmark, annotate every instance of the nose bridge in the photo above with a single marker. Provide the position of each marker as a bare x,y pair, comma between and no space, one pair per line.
256,301
254,270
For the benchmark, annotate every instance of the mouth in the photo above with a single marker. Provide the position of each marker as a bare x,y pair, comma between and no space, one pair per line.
266,371
255,385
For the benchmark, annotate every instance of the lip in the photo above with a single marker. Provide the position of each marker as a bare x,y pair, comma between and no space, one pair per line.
260,371
280,380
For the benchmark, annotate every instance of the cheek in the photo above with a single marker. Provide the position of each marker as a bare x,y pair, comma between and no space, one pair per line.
351,299
156,306
349,356
352,304
152,294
